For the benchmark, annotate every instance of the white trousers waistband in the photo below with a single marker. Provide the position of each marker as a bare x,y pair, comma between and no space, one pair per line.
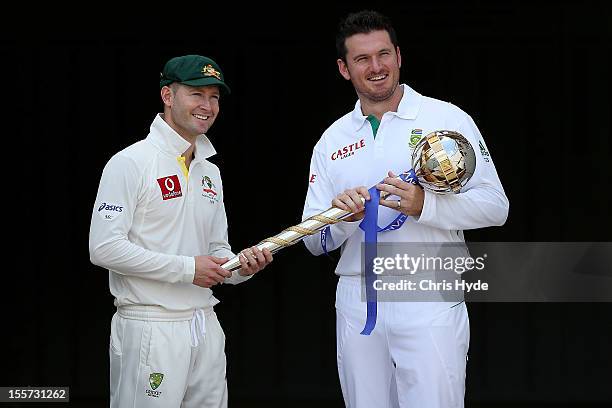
196,317
158,313
353,280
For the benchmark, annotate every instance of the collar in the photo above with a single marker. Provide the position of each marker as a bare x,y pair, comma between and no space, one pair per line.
408,108
166,138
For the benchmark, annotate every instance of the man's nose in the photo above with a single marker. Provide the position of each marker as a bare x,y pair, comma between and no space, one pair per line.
205,103
376,65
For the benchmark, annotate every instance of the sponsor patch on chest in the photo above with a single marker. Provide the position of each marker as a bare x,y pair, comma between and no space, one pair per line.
348,151
170,187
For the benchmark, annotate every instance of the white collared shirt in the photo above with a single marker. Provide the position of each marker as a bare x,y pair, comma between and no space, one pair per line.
348,156
152,216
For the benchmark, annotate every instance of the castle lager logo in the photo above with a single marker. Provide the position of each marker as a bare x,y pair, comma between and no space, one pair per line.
348,151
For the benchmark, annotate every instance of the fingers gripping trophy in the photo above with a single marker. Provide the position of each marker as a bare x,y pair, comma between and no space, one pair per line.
442,162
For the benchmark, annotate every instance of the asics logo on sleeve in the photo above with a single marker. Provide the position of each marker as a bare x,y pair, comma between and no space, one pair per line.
110,207
108,211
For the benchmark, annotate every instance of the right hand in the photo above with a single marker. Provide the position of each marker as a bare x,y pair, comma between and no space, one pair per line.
208,271
350,200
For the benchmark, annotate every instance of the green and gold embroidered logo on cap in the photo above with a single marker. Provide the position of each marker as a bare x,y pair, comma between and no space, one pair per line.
208,71
155,379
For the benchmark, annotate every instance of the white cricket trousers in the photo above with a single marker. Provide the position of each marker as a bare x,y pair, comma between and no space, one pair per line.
415,357
166,359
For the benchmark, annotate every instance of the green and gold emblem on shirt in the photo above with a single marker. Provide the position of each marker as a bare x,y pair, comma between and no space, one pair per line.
155,380
415,137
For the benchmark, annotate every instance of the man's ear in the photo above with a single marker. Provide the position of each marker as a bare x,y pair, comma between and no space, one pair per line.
399,57
343,69
167,96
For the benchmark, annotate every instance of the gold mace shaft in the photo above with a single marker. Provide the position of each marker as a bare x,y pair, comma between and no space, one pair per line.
296,233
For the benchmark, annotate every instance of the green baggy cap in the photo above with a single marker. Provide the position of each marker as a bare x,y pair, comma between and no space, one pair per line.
193,70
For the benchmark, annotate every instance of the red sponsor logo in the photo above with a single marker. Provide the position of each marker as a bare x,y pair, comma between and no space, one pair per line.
348,151
170,187
312,178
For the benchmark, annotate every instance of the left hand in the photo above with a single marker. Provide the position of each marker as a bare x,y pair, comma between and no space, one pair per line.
411,196
253,260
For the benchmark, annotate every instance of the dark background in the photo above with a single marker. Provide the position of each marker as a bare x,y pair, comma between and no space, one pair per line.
81,85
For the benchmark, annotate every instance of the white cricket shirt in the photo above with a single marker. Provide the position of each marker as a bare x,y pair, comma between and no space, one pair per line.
348,156
152,216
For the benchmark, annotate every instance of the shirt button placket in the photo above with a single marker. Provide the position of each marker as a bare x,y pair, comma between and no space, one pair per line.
379,142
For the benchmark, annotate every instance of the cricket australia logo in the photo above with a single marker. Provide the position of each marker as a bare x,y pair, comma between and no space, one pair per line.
415,137
208,189
209,71
483,151
155,380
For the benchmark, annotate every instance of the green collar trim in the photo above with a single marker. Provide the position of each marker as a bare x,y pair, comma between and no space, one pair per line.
375,124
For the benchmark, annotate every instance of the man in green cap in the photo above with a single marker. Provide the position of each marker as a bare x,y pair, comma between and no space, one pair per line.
159,227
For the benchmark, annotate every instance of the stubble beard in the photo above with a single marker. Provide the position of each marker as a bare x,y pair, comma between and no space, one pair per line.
189,129
381,96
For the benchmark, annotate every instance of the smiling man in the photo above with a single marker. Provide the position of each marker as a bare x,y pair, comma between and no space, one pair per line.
406,354
159,227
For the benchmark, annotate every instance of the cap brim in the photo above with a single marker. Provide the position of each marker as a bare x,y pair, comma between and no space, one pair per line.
207,82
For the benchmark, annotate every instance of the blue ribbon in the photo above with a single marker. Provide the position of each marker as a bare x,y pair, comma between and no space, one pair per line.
324,233
370,227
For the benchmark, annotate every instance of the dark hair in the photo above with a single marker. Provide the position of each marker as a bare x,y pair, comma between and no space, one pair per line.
362,22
